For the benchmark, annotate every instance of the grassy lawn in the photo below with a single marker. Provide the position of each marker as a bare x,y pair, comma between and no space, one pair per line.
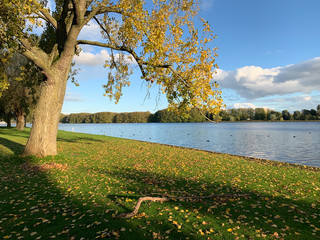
77,194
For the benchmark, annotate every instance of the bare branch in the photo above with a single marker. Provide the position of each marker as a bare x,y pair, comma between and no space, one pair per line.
167,199
101,10
95,11
133,53
46,14
37,55
106,31
118,48
99,44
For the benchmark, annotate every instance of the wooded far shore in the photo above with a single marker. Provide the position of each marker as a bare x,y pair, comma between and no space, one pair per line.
194,115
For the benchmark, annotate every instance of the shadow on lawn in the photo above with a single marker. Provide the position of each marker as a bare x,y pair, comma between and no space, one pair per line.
76,139
15,147
257,212
12,131
33,204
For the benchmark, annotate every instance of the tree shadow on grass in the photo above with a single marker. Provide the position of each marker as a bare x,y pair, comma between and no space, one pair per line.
62,135
80,137
12,131
15,147
82,202
249,213
33,205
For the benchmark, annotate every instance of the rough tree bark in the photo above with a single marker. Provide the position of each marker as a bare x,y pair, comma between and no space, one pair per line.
20,121
43,136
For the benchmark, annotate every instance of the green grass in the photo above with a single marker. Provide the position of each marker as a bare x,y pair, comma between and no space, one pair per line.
96,177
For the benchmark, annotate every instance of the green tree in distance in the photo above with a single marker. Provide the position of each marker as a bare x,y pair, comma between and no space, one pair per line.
286,115
161,40
21,95
261,114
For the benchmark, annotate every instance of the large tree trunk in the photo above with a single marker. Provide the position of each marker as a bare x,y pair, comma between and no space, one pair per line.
43,136
20,121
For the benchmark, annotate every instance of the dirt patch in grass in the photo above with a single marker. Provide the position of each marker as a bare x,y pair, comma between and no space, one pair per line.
44,167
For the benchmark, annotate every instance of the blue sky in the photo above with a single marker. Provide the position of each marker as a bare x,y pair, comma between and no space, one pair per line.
269,56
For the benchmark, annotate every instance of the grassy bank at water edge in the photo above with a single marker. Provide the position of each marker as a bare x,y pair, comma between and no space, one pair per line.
78,194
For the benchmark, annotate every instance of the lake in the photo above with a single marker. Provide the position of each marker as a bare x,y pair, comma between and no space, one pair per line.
292,142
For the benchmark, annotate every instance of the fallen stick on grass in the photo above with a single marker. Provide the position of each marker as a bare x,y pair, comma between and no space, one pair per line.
167,199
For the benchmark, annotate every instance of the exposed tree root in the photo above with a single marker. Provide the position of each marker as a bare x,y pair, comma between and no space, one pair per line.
167,199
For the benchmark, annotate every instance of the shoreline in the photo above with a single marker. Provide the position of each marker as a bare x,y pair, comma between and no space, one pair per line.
272,162
249,158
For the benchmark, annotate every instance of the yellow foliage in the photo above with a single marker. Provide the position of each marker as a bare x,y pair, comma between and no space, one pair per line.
173,53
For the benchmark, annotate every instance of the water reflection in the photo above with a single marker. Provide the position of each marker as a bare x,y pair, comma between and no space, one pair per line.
289,142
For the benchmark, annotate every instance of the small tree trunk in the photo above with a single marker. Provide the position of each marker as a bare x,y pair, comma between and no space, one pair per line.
43,136
8,120
20,122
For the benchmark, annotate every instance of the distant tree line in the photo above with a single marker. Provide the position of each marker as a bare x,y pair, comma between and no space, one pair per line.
106,117
264,114
132,117
194,115
166,116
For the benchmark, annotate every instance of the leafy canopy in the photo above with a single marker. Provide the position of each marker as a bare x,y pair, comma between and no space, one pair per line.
158,38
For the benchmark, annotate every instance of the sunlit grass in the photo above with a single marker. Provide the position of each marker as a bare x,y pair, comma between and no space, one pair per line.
78,193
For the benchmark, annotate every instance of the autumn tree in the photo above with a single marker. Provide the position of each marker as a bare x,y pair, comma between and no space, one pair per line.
159,38
20,96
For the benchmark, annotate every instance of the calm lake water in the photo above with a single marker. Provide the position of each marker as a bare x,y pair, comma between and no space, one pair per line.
292,142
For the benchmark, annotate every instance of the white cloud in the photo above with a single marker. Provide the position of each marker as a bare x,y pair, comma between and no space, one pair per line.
253,82
91,31
206,4
73,97
299,98
90,59
244,105
306,98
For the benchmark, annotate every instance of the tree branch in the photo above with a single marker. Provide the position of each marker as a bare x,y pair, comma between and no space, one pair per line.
96,11
106,31
99,44
46,14
118,48
76,10
135,56
79,7
179,75
101,10
37,55
167,199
